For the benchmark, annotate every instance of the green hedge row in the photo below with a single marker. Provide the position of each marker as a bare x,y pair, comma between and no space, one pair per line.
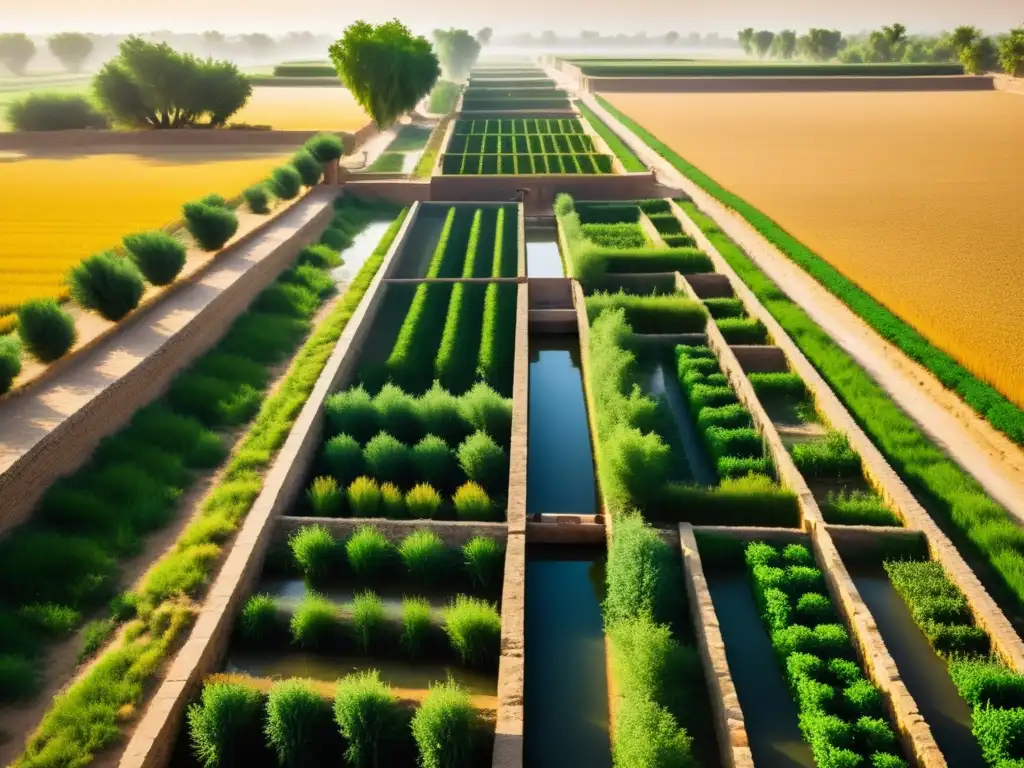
944,488
985,399
994,692
724,423
294,724
456,362
305,70
516,104
668,313
842,715
496,362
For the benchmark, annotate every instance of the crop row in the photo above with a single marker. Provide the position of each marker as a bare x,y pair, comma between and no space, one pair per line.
481,242
89,715
979,523
514,104
518,125
472,165
842,715
478,91
519,143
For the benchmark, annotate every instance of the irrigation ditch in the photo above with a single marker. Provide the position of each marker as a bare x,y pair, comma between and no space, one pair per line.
567,492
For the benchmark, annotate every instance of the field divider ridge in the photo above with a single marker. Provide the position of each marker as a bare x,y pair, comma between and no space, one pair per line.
153,741
105,402
728,714
886,482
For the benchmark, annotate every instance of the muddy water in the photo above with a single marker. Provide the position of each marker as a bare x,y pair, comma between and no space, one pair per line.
560,464
362,246
409,681
694,463
923,672
289,593
769,713
566,692
543,258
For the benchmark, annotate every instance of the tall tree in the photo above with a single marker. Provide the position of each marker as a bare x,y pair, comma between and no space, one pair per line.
71,49
152,85
821,44
671,38
784,44
762,42
386,68
258,44
746,38
457,51
16,51
1011,52
485,35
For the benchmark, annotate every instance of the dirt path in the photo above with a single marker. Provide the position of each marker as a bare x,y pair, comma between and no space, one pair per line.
981,450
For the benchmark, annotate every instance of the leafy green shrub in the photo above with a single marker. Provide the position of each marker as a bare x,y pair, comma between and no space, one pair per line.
473,627
387,459
215,200
364,497
484,559
41,111
433,462
285,182
724,307
343,459
46,330
107,284
640,574
422,502
352,412
335,239
857,508
619,235
743,330
778,384
300,725
325,497
863,698
310,169
259,622
489,412
257,198
398,414
392,501
471,502
441,414
424,555
210,225
319,257
94,635
956,639
725,416
368,716
733,467
987,683
369,553
416,625
19,677
813,608
159,256
646,734
325,147
215,402
222,723
1000,733
10,361
444,727
367,618
315,550
316,623
666,313
289,299
827,456
484,461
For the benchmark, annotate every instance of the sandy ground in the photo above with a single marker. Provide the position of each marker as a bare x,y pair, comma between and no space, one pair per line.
913,196
969,440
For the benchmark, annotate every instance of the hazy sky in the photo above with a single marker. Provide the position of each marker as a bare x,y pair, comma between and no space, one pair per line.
724,16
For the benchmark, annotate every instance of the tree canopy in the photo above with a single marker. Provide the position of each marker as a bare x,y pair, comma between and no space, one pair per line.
485,35
762,42
16,51
71,49
386,68
457,50
152,85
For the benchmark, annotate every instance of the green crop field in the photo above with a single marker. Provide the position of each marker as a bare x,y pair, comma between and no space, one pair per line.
523,146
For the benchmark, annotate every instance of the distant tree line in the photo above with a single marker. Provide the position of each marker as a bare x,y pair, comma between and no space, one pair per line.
75,49
550,39
968,45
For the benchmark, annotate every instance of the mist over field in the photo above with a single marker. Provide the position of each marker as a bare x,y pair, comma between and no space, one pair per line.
606,16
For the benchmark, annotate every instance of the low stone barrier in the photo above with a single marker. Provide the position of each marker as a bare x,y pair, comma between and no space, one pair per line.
829,83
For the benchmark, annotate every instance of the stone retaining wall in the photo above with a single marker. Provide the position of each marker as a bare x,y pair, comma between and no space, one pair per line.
829,83
153,742
69,444
725,703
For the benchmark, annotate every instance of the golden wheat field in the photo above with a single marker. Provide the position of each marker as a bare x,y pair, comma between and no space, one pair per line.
303,109
917,197
54,211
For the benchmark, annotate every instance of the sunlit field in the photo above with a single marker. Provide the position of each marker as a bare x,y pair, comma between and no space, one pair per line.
55,211
915,196
303,109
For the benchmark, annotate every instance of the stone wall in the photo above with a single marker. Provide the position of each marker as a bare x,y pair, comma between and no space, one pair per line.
543,188
829,84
